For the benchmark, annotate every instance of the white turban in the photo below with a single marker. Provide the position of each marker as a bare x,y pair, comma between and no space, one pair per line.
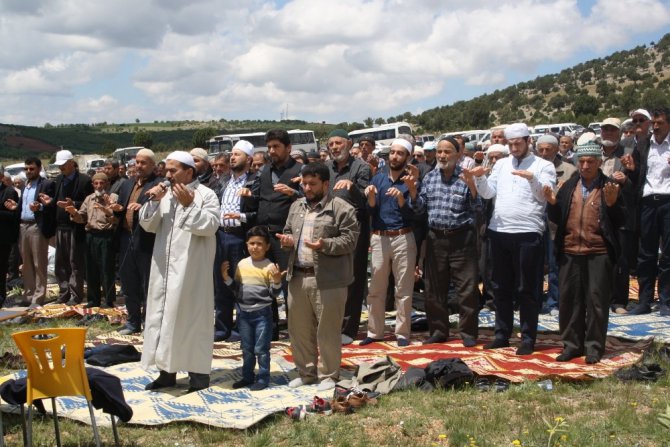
245,147
199,153
404,143
516,130
497,148
183,157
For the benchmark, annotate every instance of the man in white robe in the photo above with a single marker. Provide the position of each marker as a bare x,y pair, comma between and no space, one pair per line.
178,330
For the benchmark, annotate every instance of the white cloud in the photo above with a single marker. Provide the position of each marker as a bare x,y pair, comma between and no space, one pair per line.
69,60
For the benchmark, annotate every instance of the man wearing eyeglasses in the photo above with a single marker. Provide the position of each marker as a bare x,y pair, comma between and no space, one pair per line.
641,123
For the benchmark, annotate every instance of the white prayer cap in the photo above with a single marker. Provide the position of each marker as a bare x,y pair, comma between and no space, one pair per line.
429,145
245,147
503,149
147,153
404,143
642,112
549,139
516,130
183,157
63,157
586,137
198,152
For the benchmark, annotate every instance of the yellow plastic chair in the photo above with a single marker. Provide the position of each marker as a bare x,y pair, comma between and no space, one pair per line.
55,363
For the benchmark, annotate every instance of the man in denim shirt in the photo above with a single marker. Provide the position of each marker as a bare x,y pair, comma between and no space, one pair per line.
451,246
392,242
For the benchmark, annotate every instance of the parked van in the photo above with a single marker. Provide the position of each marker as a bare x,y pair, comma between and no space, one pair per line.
560,129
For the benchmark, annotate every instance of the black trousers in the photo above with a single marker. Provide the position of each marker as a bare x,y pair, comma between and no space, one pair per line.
518,266
358,289
232,248
70,264
620,287
654,231
100,267
452,258
585,284
5,249
279,256
135,265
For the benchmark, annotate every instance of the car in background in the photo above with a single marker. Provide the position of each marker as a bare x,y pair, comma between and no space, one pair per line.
52,171
15,169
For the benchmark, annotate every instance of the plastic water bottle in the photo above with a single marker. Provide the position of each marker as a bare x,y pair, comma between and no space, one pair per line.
546,385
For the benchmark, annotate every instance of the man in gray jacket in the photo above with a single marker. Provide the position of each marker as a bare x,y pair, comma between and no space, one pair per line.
321,231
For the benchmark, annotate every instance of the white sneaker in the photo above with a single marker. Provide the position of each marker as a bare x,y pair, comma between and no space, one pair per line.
346,340
326,384
298,382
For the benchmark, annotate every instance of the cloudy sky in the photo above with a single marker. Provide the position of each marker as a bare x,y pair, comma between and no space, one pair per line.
85,61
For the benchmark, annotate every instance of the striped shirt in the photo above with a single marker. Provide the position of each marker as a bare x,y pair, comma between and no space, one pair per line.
448,200
253,286
230,200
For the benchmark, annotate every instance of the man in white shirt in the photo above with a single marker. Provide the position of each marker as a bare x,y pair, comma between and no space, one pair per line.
653,158
515,232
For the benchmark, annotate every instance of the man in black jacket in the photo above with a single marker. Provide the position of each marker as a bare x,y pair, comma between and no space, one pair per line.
275,189
9,232
588,210
72,187
136,245
236,217
36,228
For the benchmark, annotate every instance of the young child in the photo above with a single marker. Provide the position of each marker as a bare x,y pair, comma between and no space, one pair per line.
256,281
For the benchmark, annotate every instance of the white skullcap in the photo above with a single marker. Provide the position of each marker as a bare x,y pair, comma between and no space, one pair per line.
498,148
516,130
549,139
642,112
404,143
147,153
183,157
418,150
245,147
199,153
585,138
429,146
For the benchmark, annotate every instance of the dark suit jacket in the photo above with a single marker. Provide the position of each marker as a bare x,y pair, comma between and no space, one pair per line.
9,220
141,239
81,189
248,205
46,217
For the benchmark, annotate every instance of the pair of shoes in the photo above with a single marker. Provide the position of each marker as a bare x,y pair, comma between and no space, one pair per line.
258,386
664,311
160,383
591,359
434,339
299,381
90,305
640,309
358,399
368,340
469,342
242,384
566,356
498,385
326,384
525,349
195,389
346,340
497,343
402,342
318,406
127,331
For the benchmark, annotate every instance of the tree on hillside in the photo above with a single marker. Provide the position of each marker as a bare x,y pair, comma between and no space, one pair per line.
143,138
368,122
586,105
380,121
201,136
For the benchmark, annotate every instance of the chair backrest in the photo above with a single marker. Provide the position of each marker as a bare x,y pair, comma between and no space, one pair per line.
55,361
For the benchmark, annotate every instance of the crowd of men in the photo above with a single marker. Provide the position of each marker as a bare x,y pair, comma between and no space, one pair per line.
440,219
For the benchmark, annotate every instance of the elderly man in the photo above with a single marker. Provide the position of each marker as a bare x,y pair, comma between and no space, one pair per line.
515,231
614,162
72,188
393,245
135,244
221,166
366,144
566,144
451,245
258,161
547,148
349,176
178,333
588,210
236,216
97,213
641,120
321,233
498,136
653,159
429,154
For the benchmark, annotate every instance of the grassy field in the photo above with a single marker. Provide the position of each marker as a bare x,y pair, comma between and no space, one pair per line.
599,413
